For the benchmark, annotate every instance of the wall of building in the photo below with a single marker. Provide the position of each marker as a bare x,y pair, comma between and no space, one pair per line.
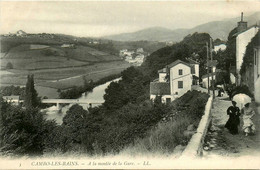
257,90
197,71
164,97
232,78
162,77
248,78
205,81
256,63
186,77
242,41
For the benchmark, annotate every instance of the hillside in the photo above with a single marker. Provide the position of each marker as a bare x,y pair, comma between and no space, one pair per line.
192,46
217,29
37,52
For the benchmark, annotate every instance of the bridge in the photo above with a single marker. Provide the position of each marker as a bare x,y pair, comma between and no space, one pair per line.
68,101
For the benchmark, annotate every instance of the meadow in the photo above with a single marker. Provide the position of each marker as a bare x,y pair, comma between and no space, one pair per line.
54,67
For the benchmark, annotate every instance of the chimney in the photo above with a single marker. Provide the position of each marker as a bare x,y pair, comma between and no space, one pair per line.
241,25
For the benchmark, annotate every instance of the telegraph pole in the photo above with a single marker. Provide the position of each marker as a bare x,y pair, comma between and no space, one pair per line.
208,65
212,78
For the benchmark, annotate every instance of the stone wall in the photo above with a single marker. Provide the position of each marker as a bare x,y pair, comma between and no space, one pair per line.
194,147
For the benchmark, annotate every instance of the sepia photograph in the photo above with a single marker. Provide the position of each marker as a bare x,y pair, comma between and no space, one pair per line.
130,84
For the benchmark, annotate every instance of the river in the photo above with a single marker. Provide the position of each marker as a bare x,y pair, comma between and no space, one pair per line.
96,96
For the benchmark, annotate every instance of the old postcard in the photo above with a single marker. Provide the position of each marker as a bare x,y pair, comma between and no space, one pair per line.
129,84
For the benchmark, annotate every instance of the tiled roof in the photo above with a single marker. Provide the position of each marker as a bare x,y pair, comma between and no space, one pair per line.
160,88
162,70
178,62
236,34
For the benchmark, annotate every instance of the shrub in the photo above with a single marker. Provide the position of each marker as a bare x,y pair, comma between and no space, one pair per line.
9,65
22,132
164,137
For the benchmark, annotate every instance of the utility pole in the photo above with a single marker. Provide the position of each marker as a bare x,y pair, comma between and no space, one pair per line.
212,78
208,65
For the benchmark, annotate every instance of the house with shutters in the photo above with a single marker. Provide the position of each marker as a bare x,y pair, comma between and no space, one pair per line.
174,80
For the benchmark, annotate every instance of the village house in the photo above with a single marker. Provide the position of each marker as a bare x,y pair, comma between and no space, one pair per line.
67,45
243,37
21,33
221,47
15,100
174,80
212,73
205,79
139,50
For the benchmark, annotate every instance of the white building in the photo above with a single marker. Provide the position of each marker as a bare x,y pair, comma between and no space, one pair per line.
174,81
205,79
213,67
67,45
243,37
12,99
221,47
139,50
21,33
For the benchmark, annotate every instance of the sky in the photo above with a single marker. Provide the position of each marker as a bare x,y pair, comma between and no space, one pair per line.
100,18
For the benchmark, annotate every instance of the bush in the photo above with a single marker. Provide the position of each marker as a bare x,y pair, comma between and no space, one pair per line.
13,90
9,65
164,137
22,132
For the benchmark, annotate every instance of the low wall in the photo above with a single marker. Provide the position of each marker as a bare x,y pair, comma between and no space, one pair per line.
194,147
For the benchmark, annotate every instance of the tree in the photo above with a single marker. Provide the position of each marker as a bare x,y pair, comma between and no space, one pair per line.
31,100
115,96
22,131
9,65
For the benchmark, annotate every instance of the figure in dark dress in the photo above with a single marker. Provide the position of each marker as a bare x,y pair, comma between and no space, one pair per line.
233,121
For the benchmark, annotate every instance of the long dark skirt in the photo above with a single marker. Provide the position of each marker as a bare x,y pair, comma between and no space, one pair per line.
232,125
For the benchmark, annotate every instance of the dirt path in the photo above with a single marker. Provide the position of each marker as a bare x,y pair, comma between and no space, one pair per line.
219,143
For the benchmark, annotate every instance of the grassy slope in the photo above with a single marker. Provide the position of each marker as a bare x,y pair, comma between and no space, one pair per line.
22,57
167,134
53,63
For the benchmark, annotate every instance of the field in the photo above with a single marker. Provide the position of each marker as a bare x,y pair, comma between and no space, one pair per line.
54,67
64,78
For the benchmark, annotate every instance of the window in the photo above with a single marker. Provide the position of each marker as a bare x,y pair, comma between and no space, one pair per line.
168,100
180,72
180,84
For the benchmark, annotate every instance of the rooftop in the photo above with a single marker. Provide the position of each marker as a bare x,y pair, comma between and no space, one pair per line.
236,34
160,88
178,62
162,70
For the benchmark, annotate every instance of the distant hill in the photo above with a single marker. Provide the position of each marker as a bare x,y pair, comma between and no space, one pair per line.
217,29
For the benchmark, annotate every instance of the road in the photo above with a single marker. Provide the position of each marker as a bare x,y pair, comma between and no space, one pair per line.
224,145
